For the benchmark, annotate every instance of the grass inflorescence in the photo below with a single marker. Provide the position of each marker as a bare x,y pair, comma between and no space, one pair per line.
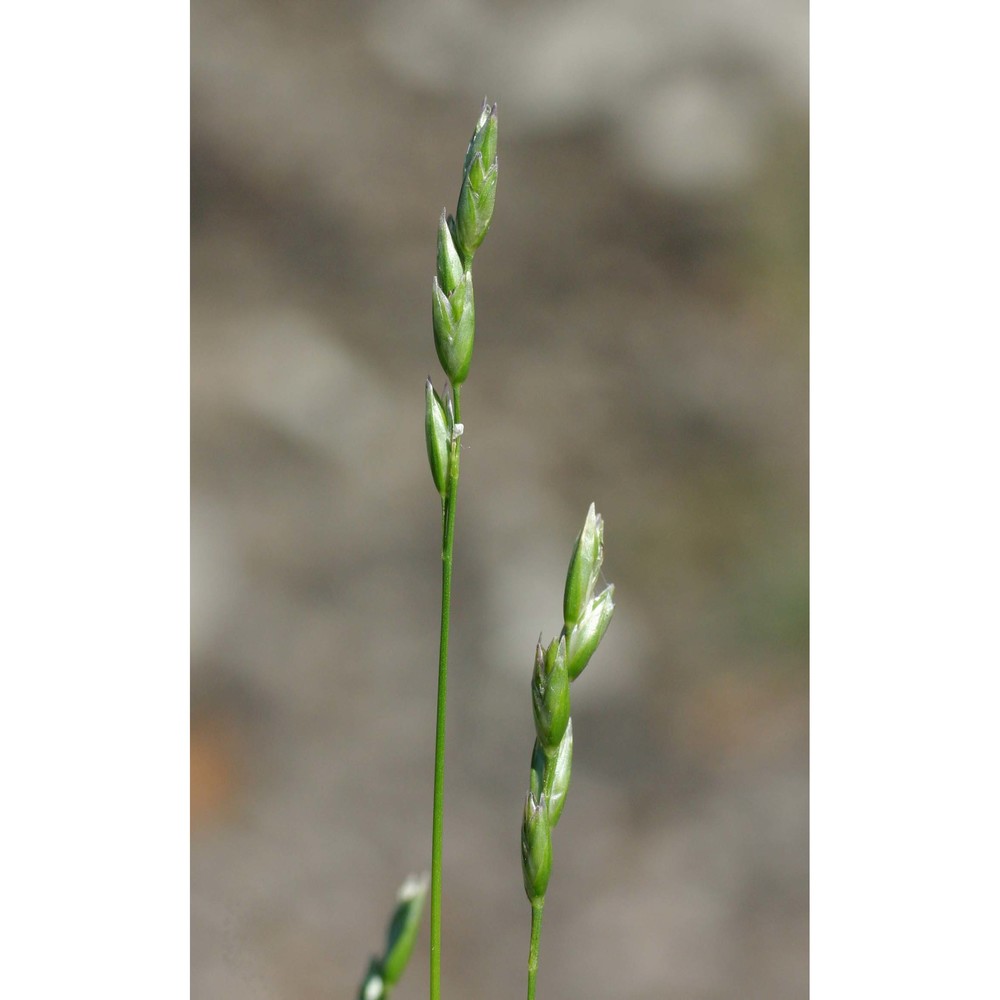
586,614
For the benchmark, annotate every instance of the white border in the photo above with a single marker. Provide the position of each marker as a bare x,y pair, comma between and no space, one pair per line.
904,502
94,410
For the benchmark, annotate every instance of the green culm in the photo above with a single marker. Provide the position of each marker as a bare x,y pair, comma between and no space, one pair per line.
586,620
586,614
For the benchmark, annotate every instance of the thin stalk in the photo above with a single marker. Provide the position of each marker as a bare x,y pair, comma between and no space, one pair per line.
447,556
536,934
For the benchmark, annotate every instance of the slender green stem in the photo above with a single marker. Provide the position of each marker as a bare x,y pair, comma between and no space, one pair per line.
536,934
447,554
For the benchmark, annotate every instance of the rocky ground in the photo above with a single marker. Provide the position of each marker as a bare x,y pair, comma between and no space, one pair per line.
641,342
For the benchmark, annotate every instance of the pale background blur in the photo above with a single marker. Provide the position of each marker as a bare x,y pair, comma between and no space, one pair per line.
641,342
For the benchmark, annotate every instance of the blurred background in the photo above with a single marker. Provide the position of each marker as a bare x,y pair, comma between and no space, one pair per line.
641,342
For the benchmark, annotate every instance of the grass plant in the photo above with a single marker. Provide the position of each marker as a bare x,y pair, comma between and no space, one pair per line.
586,615
586,619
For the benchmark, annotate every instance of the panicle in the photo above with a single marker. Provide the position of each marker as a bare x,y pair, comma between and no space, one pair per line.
452,305
586,620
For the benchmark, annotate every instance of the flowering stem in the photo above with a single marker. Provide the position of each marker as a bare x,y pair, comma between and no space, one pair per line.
447,553
536,934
